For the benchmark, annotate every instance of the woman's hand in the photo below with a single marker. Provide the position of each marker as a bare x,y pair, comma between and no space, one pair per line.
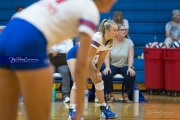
55,53
106,70
131,72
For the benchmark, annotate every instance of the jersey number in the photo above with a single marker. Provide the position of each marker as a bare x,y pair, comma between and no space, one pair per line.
52,9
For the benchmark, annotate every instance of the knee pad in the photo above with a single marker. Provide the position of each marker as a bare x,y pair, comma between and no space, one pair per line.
99,86
74,86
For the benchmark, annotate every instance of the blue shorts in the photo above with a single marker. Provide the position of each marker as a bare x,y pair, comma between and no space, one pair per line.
72,53
22,46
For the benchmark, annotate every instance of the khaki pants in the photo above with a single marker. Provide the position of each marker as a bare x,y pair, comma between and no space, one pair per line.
169,41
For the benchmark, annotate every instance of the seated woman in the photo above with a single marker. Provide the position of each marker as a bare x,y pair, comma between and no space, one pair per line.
119,60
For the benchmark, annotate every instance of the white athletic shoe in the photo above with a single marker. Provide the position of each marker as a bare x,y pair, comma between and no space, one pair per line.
66,100
96,100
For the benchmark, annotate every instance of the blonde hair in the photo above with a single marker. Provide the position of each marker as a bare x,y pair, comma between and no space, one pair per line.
118,15
106,25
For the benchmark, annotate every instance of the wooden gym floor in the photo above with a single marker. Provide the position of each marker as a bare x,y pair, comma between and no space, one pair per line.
159,107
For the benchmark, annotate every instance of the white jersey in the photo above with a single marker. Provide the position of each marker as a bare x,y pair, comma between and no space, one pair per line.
97,42
59,20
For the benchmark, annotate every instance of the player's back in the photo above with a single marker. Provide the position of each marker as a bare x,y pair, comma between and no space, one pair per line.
62,19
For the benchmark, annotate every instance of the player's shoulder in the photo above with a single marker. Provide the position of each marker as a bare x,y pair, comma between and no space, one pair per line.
97,37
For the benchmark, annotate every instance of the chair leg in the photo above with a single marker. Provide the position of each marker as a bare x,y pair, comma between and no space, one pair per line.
122,89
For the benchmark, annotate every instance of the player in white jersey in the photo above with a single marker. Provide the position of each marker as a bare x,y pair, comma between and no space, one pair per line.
23,57
102,42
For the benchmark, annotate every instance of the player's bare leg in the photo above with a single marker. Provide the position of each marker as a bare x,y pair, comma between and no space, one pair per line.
36,88
9,92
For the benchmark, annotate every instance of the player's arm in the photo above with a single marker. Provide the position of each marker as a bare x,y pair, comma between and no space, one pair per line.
82,56
88,23
81,69
101,60
92,53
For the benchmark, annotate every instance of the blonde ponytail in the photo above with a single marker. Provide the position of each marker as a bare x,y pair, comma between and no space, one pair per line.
106,25
101,26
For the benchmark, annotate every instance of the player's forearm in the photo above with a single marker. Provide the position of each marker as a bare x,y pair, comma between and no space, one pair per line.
101,60
81,69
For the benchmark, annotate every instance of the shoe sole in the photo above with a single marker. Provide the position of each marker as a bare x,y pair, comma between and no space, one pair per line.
69,118
108,118
66,101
